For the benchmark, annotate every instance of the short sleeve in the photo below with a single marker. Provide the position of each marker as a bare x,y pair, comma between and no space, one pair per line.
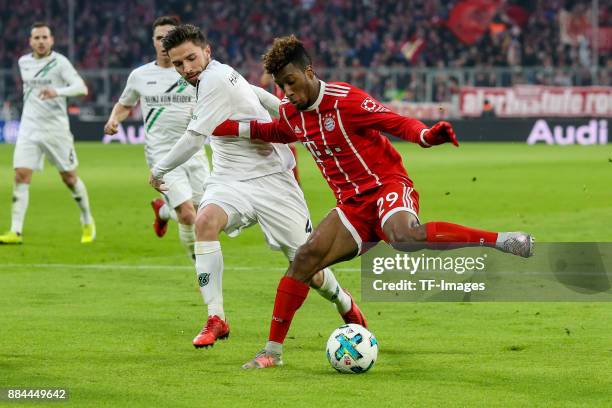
130,95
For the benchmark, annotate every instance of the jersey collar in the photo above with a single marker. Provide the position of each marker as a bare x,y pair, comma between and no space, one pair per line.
210,64
316,103
45,57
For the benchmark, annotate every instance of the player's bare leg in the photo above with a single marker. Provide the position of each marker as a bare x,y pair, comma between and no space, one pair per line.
404,232
23,175
21,198
186,217
328,287
79,193
322,249
210,221
330,243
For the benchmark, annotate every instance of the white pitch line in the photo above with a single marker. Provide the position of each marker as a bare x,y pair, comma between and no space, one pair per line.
148,267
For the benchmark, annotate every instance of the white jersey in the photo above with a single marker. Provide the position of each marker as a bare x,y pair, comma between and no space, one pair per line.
52,71
224,94
166,101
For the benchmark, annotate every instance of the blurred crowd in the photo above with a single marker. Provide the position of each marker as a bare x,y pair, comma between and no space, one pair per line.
362,41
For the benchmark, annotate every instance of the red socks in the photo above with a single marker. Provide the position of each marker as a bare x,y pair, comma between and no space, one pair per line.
291,292
290,295
445,232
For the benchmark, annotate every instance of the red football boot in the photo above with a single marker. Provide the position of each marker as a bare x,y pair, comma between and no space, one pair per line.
159,226
354,315
214,329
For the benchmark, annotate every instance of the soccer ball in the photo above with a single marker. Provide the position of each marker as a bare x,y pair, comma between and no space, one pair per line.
352,349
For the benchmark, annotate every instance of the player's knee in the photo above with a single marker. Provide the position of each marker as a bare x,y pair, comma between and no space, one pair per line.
208,226
306,261
186,219
69,179
404,235
186,214
23,176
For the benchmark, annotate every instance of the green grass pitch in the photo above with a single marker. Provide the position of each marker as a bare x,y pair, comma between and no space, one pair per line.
113,321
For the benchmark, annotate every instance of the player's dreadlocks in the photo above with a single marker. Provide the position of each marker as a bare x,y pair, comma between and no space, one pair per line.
183,33
284,51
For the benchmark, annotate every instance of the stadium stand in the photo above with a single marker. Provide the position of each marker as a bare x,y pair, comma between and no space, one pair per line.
359,40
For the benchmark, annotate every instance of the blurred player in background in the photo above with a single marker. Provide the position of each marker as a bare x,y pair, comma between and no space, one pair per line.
48,79
251,181
166,101
340,125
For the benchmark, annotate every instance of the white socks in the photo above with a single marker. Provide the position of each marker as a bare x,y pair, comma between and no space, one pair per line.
79,193
209,268
187,238
21,197
331,290
165,213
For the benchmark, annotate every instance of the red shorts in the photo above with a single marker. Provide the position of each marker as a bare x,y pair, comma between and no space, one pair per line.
365,215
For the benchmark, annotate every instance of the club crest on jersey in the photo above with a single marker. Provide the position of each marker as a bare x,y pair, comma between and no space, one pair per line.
371,105
329,123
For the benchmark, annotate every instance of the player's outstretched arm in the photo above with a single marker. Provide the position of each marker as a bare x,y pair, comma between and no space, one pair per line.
365,112
267,100
272,132
188,145
440,133
118,114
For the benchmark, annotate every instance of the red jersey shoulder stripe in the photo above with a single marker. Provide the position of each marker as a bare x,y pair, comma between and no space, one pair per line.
337,86
332,90
335,94
336,90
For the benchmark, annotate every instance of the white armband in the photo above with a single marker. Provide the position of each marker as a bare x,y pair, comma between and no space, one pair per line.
422,138
244,130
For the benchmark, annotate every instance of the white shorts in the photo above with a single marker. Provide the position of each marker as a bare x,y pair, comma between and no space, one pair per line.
186,182
32,147
275,201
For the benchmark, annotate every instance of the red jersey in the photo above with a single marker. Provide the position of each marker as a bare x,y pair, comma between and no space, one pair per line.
342,132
